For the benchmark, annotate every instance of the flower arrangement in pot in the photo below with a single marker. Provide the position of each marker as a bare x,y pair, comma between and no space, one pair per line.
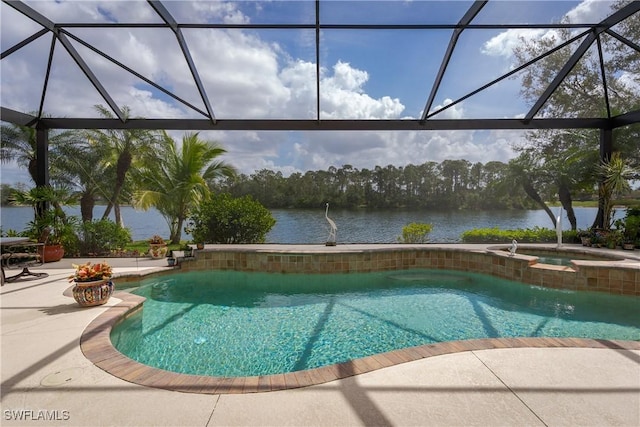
157,247
92,283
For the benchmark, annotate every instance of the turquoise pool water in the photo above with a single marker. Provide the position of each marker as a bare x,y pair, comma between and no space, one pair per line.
227,323
555,260
561,258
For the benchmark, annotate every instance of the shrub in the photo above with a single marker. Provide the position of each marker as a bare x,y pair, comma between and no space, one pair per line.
101,237
527,235
224,219
415,233
631,225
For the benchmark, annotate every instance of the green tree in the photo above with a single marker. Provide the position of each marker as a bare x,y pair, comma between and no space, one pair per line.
125,148
6,193
224,219
18,143
53,219
174,179
571,155
522,173
83,169
101,237
616,174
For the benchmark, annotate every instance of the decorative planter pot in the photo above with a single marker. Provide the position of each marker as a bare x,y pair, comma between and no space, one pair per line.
89,294
200,246
158,250
171,262
628,246
52,253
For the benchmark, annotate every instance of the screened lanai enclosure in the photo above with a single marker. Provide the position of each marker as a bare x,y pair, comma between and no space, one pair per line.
252,69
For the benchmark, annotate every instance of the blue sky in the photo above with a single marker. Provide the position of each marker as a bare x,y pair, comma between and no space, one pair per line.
271,74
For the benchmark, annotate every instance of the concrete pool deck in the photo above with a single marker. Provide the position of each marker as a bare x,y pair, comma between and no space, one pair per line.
46,380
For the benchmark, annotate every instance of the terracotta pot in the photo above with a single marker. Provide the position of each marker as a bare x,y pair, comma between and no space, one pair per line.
158,250
52,253
89,294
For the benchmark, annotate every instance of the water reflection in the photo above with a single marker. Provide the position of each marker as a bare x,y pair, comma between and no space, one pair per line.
361,226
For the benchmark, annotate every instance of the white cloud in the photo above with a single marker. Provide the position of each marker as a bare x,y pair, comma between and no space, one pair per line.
246,76
347,78
136,52
588,11
343,96
209,11
630,80
144,104
299,77
504,43
453,112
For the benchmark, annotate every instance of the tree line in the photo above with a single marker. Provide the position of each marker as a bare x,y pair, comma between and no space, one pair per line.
448,185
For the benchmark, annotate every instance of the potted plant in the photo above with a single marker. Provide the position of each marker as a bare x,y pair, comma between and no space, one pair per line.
585,237
613,238
631,231
157,247
188,250
92,283
50,226
55,232
598,239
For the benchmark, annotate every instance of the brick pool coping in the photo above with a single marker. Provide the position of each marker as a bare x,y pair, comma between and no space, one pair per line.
96,345
614,277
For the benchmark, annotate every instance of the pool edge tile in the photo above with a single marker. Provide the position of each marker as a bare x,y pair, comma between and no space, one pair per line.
96,345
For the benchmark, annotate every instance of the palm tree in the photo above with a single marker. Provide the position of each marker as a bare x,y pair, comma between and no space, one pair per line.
18,143
83,168
54,219
616,174
125,147
175,179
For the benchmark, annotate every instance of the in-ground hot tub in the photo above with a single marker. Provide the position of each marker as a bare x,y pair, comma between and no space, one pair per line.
565,255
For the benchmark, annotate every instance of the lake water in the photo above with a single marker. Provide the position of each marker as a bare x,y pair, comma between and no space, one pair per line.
311,227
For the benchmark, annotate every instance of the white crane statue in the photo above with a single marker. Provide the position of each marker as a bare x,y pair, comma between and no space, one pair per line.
559,226
331,241
513,248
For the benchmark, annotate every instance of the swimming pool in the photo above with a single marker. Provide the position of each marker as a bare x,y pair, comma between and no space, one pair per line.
230,323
